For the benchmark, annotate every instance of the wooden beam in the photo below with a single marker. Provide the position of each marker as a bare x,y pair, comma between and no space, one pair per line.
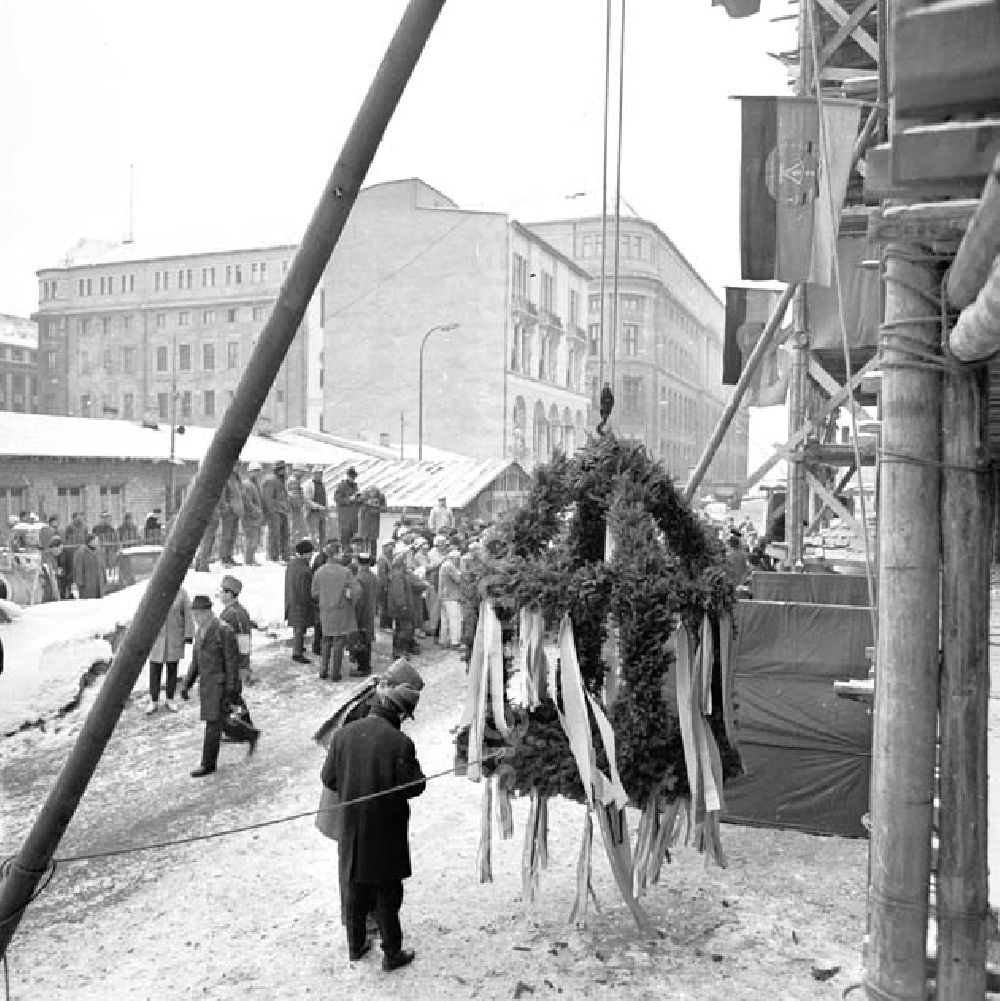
857,33
948,153
857,529
946,58
979,246
834,454
879,183
976,335
829,385
857,16
927,223
837,400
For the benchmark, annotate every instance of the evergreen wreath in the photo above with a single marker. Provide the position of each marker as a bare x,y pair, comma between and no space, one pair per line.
666,567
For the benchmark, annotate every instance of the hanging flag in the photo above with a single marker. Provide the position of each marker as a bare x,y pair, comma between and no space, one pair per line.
786,231
738,8
752,306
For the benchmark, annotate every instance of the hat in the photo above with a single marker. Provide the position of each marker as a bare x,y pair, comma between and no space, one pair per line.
231,584
404,697
55,541
317,469
279,466
201,602
402,672
254,467
352,472
304,546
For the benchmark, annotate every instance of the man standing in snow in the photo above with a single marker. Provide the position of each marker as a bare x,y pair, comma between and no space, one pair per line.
368,757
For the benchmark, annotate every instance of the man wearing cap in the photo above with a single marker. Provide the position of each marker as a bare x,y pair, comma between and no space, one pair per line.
215,666
53,571
253,514
441,519
367,591
314,495
335,591
88,569
275,502
239,618
368,757
298,598
345,496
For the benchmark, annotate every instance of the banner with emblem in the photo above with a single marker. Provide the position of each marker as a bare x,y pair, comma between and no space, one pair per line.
787,232
747,313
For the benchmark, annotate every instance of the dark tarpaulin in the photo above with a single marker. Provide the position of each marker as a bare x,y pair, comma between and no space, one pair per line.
738,8
862,300
806,752
818,588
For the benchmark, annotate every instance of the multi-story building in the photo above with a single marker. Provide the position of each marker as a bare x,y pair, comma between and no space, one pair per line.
125,333
18,364
666,359
494,313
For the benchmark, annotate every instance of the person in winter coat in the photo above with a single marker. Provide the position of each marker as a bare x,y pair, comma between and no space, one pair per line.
372,503
274,498
296,507
76,531
53,571
450,598
367,592
298,598
128,531
108,539
314,493
230,515
367,757
253,514
215,666
335,590
441,518
88,569
328,552
239,618
346,499
404,593
168,648
382,576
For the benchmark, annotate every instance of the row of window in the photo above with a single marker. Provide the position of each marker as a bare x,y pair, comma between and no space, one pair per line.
631,339
11,353
547,290
547,365
86,325
68,500
124,359
631,245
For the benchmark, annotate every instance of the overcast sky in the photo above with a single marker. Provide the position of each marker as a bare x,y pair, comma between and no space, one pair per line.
233,113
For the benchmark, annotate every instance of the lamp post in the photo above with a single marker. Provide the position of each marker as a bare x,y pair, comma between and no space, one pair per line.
420,387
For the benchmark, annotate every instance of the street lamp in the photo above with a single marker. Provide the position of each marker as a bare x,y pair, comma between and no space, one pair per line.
420,387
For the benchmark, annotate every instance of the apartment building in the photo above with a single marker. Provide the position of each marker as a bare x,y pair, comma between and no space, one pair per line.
662,345
18,364
128,333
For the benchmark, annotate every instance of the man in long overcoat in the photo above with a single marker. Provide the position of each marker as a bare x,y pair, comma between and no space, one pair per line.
298,598
88,570
253,514
274,498
215,666
365,612
367,757
335,590
345,496
168,648
239,618
230,514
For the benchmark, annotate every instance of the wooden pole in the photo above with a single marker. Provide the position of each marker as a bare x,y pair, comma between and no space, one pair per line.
320,238
979,247
966,518
795,507
906,677
739,391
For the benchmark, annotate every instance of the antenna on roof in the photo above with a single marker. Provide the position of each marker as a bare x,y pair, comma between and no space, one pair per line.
131,203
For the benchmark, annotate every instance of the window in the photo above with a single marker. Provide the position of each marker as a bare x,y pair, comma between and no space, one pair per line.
161,320
126,322
85,325
186,405
81,287
574,308
157,281
50,360
630,335
207,277
69,500
108,360
255,272
184,318
208,357
102,286
520,276
548,292
231,315
128,360
231,395
259,313
161,358
124,283
184,276
85,405
594,305
631,395
594,338
162,406
111,501
233,355
263,271
90,287
105,325
280,395
208,317
209,403
17,354
237,270
184,357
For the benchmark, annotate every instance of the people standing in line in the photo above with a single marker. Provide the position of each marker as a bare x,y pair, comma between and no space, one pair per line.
297,528
382,576
346,498
450,597
314,492
128,531
298,598
368,757
239,618
371,502
275,502
365,614
88,569
168,649
253,514
215,666
441,518
334,588
230,515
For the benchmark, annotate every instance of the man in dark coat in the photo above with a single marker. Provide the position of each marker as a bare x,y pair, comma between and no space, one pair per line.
230,514
215,665
274,499
88,570
335,591
239,618
346,498
298,598
365,611
382,569
108,539
253,514
368,757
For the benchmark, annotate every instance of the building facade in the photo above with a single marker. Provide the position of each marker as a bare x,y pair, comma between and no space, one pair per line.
125,334
486,310
18,364
666,357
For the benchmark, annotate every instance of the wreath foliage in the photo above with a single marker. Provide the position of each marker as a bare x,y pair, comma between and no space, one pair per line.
549,555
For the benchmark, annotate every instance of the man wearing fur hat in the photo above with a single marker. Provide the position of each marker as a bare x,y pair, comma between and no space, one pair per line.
239,618
367,757
298,598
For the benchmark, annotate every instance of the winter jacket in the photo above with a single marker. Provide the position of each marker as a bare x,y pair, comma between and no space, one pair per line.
274,496
253,506
331,585
178,627
235,615
449,582
298,593
365,608
88,572
215,666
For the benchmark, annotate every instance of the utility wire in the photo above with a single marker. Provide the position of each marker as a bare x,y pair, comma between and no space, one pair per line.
604,190
618,197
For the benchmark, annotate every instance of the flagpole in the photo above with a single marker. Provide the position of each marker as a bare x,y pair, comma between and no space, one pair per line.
764,343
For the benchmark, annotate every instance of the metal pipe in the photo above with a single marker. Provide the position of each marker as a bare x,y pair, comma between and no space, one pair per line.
420,387
307,268
749,370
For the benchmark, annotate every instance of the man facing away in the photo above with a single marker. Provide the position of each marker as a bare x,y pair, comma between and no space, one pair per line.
372,757
441,519
346,498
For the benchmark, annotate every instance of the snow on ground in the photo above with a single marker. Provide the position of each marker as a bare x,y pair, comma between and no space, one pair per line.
50,646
